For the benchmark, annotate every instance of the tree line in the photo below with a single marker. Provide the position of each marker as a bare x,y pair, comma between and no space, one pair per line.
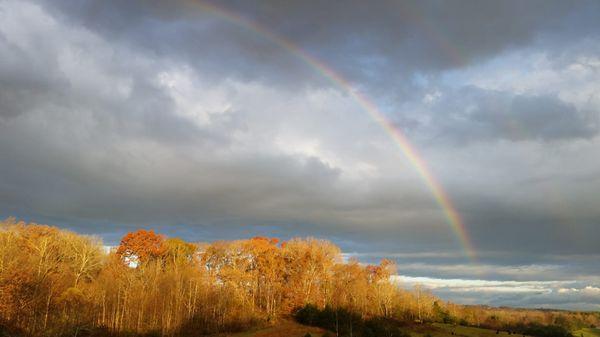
55,282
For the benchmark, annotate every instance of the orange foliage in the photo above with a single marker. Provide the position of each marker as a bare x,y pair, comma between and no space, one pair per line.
54,282
141,246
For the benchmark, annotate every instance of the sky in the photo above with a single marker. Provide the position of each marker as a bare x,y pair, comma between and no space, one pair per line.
225,120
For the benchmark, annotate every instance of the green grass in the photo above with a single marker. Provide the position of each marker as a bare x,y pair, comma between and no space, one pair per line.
445,330
586,332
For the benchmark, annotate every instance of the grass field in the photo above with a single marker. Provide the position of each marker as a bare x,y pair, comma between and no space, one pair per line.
587,332
446,330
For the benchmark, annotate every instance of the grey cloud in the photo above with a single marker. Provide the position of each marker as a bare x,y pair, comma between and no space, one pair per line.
129,154
71,74
527,220
472,114
113,145
381,43
26,82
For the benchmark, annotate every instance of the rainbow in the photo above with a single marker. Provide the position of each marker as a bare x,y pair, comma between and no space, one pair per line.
440,196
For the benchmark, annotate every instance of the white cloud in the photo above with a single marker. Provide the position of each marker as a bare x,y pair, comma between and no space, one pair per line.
466,285
533,294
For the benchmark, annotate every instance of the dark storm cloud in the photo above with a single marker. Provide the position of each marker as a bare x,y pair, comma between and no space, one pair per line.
472,114
382,43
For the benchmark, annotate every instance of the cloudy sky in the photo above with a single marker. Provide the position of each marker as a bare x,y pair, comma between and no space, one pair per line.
199,120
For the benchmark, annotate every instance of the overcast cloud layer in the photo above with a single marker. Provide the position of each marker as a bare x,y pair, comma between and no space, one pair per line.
121,114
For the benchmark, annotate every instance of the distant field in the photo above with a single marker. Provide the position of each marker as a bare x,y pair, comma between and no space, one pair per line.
587,332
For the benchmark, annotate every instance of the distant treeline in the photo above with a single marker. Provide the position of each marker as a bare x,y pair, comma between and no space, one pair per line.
57,283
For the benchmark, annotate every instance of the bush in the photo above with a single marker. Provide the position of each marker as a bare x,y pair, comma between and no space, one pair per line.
383,327
347,323
539,330
307,315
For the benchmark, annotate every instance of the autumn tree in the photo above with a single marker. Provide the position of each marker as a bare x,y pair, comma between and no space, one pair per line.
141,246
309,268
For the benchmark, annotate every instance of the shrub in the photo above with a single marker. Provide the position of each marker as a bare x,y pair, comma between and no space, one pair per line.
539,330
347,323
307,315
